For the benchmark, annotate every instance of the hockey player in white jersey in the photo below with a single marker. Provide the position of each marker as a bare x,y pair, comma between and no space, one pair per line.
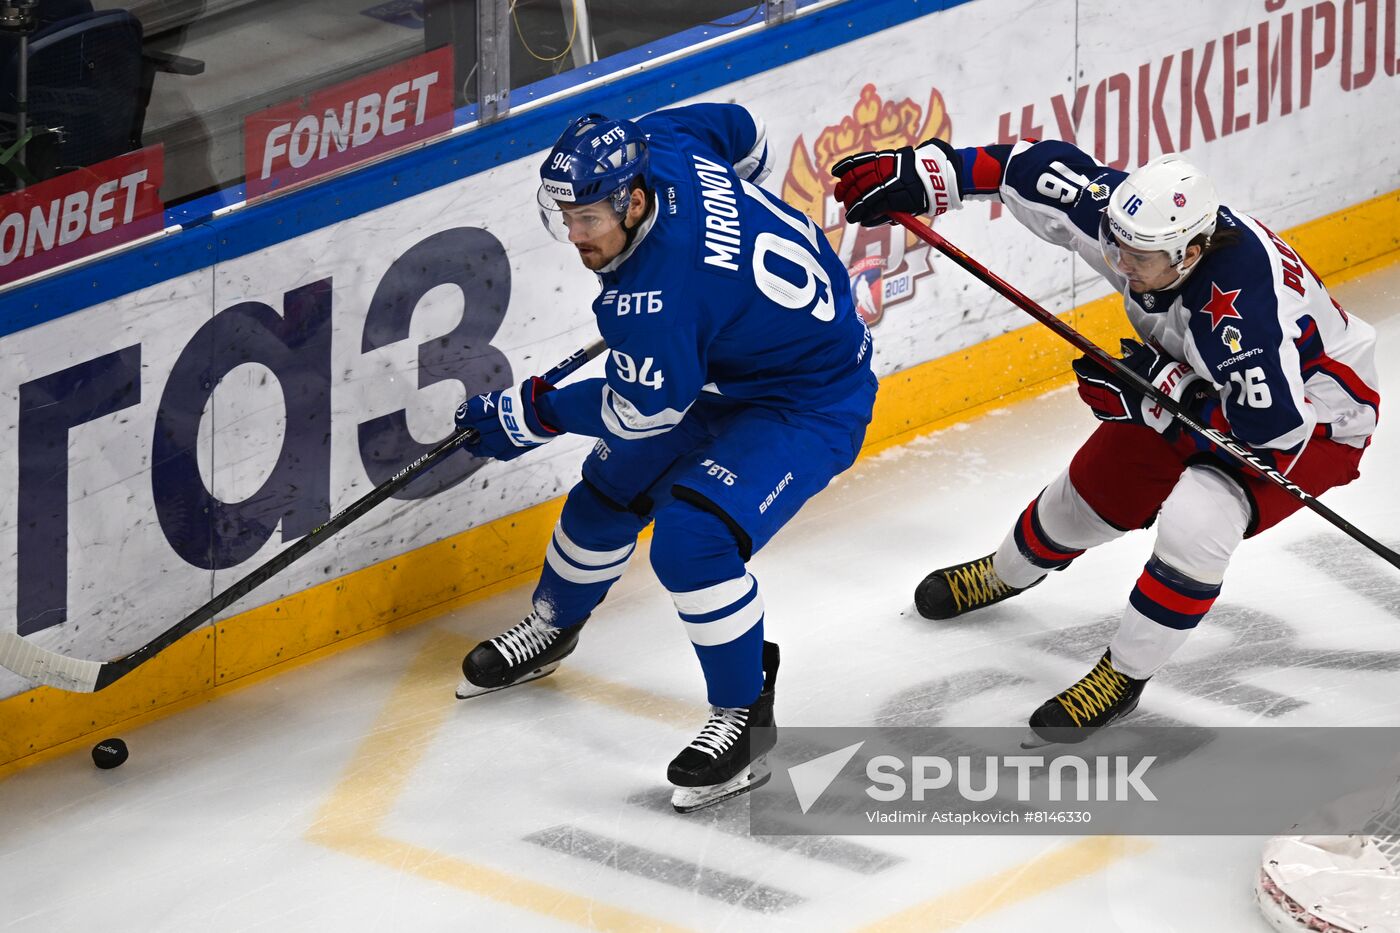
1232,323
738,383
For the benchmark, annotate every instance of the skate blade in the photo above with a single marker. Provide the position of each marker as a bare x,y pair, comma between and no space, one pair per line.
1033,740
466,689
690,799
1070,735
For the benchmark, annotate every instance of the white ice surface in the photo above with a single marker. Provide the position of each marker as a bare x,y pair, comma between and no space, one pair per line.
356,794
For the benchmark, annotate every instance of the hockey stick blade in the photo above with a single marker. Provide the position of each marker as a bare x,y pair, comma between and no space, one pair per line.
41,666
45,667
1230,445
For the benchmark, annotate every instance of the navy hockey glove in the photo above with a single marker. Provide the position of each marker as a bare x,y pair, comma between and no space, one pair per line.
910,180
508,420
1113,398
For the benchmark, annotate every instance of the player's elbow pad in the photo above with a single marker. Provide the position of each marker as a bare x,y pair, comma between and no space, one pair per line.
755,166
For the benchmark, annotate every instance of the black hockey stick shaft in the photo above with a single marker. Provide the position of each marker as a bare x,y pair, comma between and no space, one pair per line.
115,669
1225,442
44,666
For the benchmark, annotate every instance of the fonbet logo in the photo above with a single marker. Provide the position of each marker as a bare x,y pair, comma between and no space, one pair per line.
883,262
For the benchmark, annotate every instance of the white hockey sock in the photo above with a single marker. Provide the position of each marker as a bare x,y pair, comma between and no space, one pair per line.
1142,646
1065,521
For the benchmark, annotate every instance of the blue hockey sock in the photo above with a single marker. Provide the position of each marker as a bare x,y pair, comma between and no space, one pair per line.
587,553
697,559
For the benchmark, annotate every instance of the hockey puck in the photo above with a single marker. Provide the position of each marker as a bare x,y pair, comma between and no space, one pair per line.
109,753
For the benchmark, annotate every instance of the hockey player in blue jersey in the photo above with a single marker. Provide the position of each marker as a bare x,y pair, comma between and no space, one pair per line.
1232,323
737,384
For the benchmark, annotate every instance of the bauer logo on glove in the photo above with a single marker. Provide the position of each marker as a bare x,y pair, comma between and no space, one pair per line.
1113,397
910,180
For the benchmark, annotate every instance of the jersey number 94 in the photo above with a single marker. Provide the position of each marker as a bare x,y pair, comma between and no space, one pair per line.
815,285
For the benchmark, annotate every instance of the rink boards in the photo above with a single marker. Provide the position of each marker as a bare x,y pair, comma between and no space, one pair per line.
168,438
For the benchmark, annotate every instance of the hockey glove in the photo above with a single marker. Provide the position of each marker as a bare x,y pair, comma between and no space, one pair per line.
910,180
508,420
1113,398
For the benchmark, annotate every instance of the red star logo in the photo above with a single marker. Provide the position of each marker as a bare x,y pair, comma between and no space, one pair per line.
1221,305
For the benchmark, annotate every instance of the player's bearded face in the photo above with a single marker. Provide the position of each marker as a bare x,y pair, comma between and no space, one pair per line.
596,231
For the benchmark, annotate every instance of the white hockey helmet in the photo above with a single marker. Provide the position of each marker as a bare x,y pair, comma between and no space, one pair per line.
1162,206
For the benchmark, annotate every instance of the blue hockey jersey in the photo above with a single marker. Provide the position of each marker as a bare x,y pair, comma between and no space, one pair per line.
725,289
1287,362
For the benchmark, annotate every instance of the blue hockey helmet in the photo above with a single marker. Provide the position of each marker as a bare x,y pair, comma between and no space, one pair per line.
596,158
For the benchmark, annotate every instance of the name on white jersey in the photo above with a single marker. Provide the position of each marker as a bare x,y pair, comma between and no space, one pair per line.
1290,265
722,234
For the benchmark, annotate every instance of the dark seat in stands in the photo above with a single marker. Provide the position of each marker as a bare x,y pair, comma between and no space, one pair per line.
89,84
53,11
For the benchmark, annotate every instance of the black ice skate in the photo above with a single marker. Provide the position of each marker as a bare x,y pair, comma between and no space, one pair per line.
1102,696
526,652
961,588
726,758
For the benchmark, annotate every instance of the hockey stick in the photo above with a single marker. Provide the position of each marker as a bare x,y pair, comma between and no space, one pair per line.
47,667
1227,443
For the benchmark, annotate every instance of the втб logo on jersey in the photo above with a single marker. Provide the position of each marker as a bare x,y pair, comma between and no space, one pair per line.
632,302
883,262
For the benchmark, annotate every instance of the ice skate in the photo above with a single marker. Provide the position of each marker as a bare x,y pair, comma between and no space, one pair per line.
520,654
952,591
1102,696
726,759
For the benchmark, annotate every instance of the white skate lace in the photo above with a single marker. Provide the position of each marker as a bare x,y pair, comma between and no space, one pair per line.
526,640
725,726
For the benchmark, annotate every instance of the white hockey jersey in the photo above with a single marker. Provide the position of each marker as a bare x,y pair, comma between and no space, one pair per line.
1287,361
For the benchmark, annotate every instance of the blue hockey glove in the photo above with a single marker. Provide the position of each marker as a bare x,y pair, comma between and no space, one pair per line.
508,420
1113,398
